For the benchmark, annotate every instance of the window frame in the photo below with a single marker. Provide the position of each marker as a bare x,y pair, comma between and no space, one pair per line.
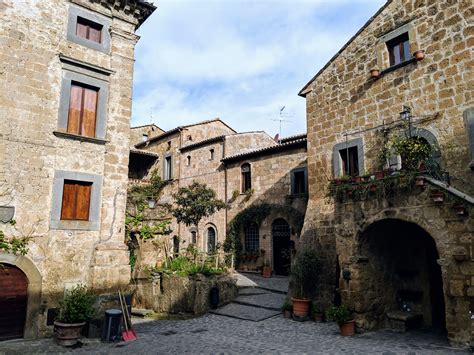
337,160
247,237
293,181
244,178
207,238
75,216
168,173
74,13
79,75
211,154
398,42
57,198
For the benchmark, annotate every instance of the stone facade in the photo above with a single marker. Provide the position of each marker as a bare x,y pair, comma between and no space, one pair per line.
212,153
40,56
346,106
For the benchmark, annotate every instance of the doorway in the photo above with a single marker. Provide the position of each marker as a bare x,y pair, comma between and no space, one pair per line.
13,302
281,234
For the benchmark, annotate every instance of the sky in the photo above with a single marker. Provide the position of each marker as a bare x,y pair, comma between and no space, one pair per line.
239,60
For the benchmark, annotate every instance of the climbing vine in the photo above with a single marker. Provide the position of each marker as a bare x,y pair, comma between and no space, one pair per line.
15,245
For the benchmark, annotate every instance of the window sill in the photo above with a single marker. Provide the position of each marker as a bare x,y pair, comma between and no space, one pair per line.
300,195
79,137
398,66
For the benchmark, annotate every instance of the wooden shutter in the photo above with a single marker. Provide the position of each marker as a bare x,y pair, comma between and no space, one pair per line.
94,34
81,29
76,200
89,112
75,108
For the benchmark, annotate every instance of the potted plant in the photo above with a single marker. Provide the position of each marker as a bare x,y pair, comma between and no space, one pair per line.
459,209
303,274
375,72
287,309
318,314
75,310
267,269
437,196
419,54
344,319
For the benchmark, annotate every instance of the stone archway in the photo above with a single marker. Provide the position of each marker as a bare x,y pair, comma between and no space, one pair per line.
33,292
400,270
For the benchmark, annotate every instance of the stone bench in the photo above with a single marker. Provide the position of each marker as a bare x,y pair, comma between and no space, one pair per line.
403,321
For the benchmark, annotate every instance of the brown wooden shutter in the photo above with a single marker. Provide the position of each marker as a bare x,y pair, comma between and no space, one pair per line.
94,34
75,108
89,112
83,199
81,29
68,209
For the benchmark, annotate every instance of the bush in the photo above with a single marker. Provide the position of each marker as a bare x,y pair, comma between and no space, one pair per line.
287,306
304,272
182,266
339,314
77,305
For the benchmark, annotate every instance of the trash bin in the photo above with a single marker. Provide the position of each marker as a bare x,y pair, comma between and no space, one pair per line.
111,330
214,297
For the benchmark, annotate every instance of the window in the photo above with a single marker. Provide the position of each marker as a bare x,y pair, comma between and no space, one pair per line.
399,49
211,239
82,110
348,158
168,168
76,200
88,29
299,181
189,137
176,245
246,177
350,161
211,154
144,137
168,145
188,160
193,237
252,241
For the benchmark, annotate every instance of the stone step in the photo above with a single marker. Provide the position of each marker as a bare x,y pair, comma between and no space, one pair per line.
245,312
141,312
268,300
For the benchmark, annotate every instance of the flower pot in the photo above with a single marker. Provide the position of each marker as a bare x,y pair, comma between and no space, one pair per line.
379,175
437,197
375,73
357,179
287,314
318,317
67,334
347,328
267,271
460,257
419,55
420,182
459,209
300,306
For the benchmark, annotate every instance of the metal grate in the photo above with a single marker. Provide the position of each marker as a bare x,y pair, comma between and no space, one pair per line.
252,241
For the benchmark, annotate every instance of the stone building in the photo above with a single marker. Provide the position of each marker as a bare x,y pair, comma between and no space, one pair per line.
65,100
414,249
244,169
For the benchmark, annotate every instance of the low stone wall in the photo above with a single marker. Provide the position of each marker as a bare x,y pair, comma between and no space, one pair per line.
176,294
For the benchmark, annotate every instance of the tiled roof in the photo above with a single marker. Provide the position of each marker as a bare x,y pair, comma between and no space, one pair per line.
297,143
292,138
203,142
143,152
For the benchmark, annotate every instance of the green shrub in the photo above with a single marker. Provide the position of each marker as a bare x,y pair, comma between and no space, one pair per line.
182,266
304,272
339,314
77,305
287,306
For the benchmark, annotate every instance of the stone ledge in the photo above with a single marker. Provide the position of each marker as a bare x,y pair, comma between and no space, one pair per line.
80,138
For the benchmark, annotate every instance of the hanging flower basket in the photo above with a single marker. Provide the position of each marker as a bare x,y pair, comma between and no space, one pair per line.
375,73
419,55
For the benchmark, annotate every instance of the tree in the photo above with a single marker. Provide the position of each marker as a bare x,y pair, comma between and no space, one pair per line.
195,202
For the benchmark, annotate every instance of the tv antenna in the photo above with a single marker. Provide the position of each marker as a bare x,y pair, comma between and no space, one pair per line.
151,112
281,119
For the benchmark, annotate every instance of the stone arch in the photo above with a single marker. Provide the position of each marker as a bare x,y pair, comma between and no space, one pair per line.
34,290
431,139
209,229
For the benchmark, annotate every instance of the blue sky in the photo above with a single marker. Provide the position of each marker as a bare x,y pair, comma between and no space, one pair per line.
239,60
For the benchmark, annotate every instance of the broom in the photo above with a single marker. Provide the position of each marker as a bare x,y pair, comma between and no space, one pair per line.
127,334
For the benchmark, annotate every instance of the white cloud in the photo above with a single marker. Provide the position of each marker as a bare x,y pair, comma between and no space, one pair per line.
238,60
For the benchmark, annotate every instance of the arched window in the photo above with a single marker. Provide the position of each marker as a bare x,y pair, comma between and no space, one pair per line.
188,160
252,240
193,237
211,152
246,177
211,239
175,245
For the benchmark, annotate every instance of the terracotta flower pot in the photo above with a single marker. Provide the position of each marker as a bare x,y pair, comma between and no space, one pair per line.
300,306
347,328
318,317
419,55
420,182
287,314
375,73
379,175
67,334
437,197
267,271
460,209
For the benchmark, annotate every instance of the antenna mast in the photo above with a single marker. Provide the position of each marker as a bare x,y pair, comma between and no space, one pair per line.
280,120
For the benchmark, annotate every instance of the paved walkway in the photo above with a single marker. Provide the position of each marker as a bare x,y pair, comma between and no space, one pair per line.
218,334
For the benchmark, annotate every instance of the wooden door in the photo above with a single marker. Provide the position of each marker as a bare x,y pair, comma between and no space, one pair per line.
281,247
13,301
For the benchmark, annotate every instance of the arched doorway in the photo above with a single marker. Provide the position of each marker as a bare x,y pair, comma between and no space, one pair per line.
211,239
13,301
281,246
400,272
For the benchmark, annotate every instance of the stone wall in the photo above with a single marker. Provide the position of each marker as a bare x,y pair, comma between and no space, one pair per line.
343,98
35,43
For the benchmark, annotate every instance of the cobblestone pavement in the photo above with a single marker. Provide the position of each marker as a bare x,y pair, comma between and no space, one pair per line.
213,334
275,283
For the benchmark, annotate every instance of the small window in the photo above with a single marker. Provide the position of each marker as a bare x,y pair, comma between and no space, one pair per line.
252,241
211,152
176,245
211,240
193,237
298,181
168,168
82,110
76,200
246,177
88,29
350,161
188,160
399,49
168,146
144,137
190,137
